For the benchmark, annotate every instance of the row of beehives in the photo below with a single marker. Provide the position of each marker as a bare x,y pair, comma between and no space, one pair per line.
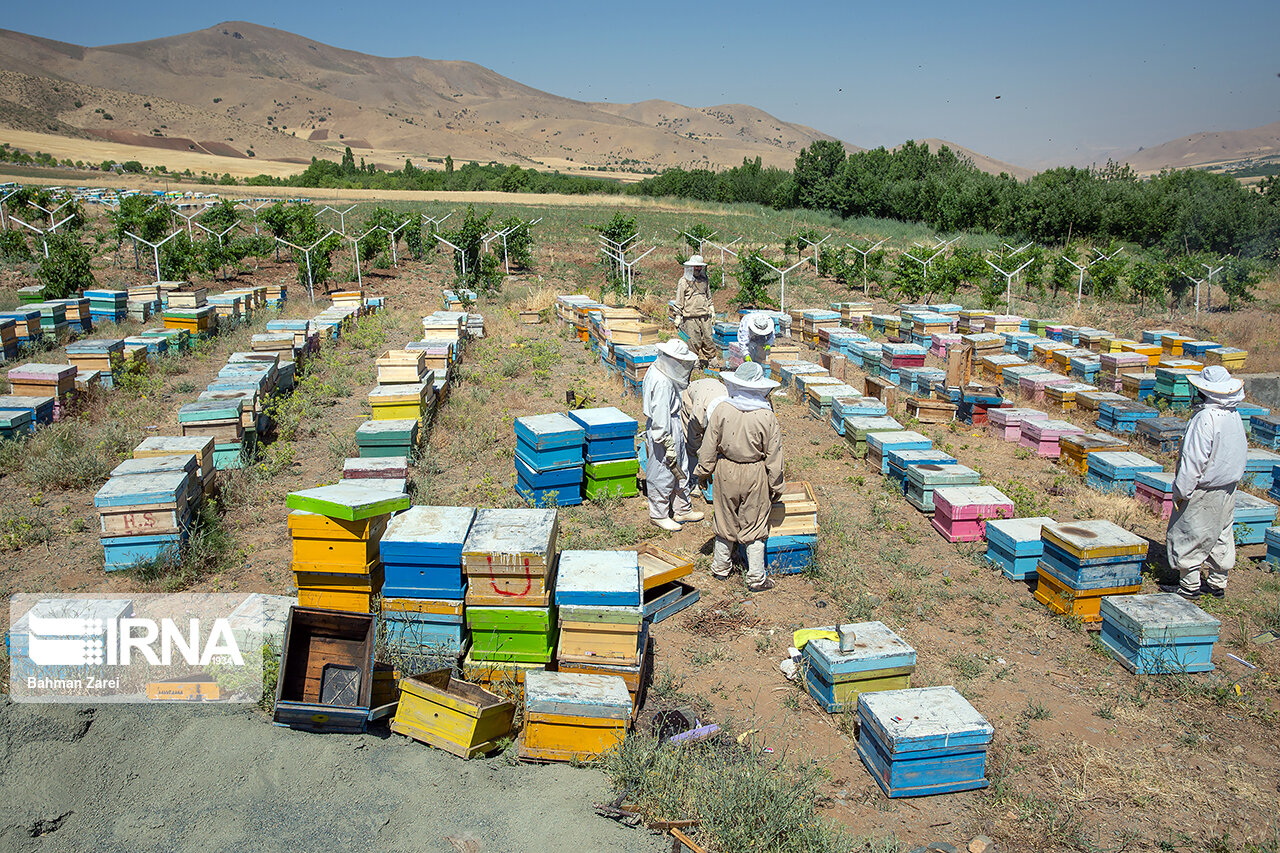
147,507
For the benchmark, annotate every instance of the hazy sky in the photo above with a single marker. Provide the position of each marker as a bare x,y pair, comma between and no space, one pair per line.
1031,83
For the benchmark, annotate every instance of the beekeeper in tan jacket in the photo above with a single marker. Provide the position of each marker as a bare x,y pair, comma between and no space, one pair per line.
695,310
696,404
743,450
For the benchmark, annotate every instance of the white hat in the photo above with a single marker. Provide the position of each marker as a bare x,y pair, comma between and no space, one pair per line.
760,324
695,261
678,350
1215,379
749,376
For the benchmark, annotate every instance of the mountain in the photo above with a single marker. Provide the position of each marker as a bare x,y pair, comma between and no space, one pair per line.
1209,149
240,90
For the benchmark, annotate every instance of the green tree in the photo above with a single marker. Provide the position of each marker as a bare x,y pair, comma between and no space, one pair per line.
1238,280
13,248
1146,283
754,279
908,279
519,242
67,270
1106,274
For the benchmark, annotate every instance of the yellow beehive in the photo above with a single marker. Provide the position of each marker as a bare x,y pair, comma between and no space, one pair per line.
573,717
461,718
1084,605
398,402
401,366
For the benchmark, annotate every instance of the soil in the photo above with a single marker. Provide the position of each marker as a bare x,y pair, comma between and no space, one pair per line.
1084,752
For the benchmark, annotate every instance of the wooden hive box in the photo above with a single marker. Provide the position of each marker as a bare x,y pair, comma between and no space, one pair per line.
901,460
926,478
599,634
144,504
609,434
326,671
636,676
598,579
220,420
349,501
573,717
1006,424
920,741
1014,545
400,366
186,463
461,718
1082,604
385,468
796,513
167,445
880,443
379,439
551,441
1158,634
961,512
616,478
1043,436
876,659
1116,470
511,634
1154,489
398,402
928,411
42,380
659,567
193,298
353,592
1253,516
509,557
421,551
433,626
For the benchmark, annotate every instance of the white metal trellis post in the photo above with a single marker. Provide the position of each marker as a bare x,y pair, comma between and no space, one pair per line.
307,254
1208,292
1008,282
3,219
864,253
461,254
391,232
155,247
355,250
342,216
255,209
224,233
782,299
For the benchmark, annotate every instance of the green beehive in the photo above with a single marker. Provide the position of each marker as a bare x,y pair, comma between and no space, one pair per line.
615,479
512,634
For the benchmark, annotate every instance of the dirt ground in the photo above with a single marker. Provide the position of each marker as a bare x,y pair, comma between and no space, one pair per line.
1085,756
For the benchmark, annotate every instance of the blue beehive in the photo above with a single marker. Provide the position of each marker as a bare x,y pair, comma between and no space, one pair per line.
1247,412
15,423
1094,554
879,443
788,555
923,740
1258,467
923,478
875,658
1275,483
1158,634
421,552
610,433
1272,538
549,441
423,625
1252,518
855,407
1265,430
1116,470
1117,416
598,579
1015,546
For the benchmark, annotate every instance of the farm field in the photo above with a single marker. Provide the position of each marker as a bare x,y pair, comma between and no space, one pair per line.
1085,757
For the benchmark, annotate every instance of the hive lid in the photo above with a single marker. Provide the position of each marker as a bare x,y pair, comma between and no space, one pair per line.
511,532
440,525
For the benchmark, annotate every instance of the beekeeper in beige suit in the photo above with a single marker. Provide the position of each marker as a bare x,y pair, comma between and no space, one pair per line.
696,404
1211,463
743,450
695,310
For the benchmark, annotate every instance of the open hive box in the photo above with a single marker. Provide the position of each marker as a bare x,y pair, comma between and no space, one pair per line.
326,670
456,716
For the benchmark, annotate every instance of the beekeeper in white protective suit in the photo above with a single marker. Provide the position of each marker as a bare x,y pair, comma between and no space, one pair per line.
664,381
1211,464
697,403
756,336
743,449
694,309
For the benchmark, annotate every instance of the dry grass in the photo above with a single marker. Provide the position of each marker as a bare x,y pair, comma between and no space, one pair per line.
1117,508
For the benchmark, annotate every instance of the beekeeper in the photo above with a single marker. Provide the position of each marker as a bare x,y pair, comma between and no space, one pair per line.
743,450
664,471
696,404
1211,463
756,337
694,309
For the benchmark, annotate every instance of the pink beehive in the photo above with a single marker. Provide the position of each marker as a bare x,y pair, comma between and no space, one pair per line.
1006,424
960,513
1033,386
1042,436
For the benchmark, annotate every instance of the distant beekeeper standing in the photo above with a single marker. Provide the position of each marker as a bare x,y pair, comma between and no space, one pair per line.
756,336
695,310
1211,463
696,404
664,436
743,450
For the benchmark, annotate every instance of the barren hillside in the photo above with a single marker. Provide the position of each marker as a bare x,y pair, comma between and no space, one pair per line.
1208,148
